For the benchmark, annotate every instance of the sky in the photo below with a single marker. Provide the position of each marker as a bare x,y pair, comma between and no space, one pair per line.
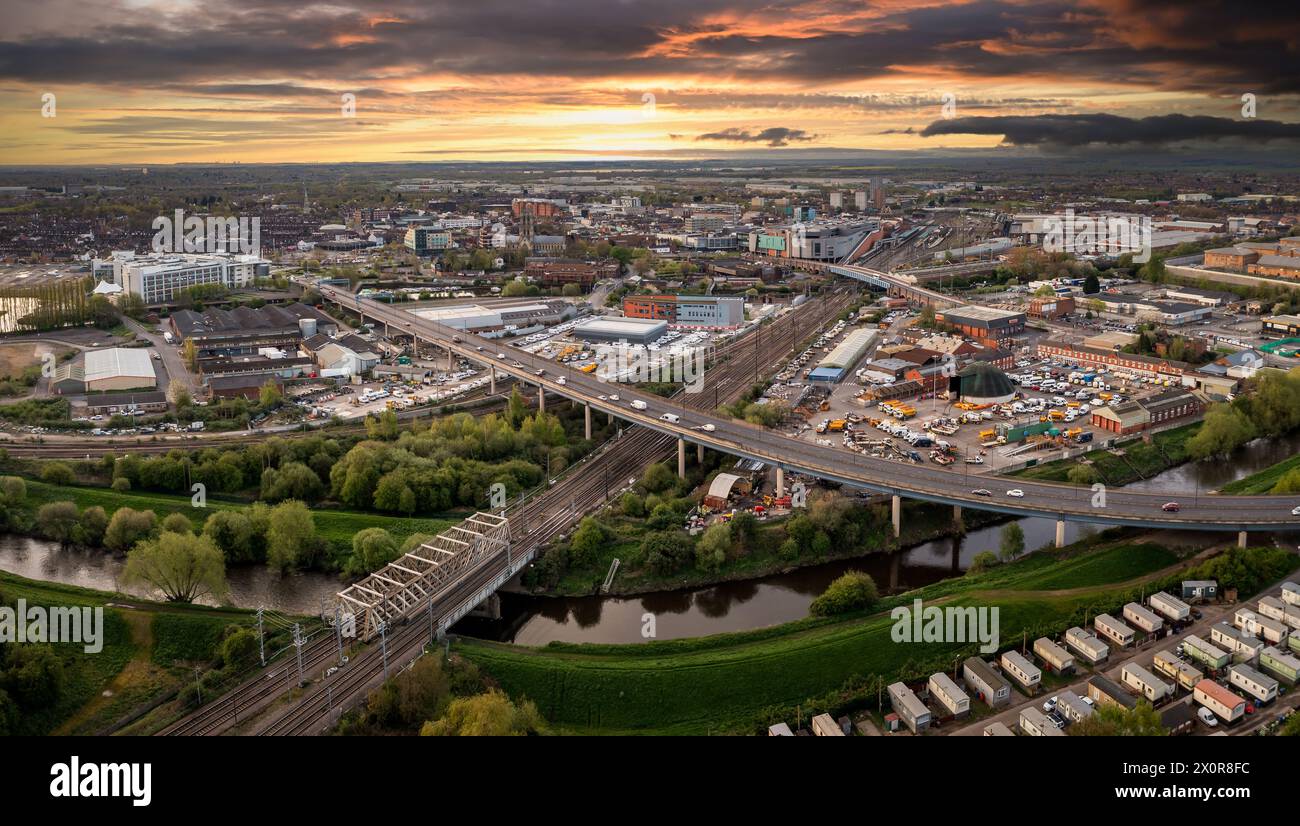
166,81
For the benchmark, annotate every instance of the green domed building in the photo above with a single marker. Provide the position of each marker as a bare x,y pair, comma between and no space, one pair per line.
982,383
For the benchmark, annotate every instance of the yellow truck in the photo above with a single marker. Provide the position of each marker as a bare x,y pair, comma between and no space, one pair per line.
1057,416
836,425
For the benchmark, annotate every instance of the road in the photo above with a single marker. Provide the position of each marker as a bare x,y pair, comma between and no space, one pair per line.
1041,499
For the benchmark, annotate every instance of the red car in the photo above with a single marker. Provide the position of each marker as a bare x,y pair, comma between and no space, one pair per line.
1170,507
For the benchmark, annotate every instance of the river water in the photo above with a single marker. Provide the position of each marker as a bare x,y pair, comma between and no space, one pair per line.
730,606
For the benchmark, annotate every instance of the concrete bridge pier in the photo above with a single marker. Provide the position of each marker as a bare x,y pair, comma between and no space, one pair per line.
1060,533
956,516
1241,539
699,455
451,360
610,419
896,506
681,458
492,380
541,399
586,420
780,482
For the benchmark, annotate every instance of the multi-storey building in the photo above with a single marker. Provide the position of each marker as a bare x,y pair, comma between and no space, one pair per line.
160,277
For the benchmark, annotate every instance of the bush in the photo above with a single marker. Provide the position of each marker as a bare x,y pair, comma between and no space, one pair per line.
94,522
712,548
121,484
177,523
852,591
666,551
127,527
58,473
58,521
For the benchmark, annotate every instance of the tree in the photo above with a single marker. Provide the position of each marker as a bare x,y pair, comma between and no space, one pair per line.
666,551
982,561
1113,721
587,541
58,473
292,480
1081,475
231,531
851,591
269,396
190,353
127,527
658,478
1225,427
58,521
13,489
632,505
711,549
179,395
490,714
415,695
1091,284
1012,542
93,524
372,549
239,650
290,536
177,523
184,567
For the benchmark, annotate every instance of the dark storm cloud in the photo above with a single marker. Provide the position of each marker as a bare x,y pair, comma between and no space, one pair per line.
1114,130
772,136
1184,45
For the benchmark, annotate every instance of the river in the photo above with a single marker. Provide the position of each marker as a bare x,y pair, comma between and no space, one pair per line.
730,606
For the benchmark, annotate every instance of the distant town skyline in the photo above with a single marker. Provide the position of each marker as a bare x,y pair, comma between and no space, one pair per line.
162,81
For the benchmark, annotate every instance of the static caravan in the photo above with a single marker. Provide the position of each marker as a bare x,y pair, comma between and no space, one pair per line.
1167,663
1260,686
1293,642
1035,724
1170,607
1273,608
1280,664
1225,704
1053,656
1200,589
1242,647
908,706
948,694
1105,691
1086,645
990,686
1204,653
1020,669
824,725
779,730
1271,631
1291,593
996,729
1072,707
1145,683
1114,630
1142,618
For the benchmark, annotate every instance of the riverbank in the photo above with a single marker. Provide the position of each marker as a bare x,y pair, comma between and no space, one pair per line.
336,526
1124,464
149,651
1264,481
739,683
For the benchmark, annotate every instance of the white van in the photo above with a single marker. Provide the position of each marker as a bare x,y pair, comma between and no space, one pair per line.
671,418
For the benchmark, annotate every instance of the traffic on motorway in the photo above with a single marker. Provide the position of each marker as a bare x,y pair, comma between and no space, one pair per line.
740,438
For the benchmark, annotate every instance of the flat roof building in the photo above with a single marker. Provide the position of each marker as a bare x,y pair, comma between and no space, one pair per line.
702,312
628,330
119,368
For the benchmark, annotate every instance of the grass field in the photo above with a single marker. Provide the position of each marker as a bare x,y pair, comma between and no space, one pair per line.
337,526
1140,460
17,357
741,682
1263,481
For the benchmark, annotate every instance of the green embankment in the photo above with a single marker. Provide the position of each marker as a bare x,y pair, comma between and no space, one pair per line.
1140,460
337,526
740,682
178,635
1263,481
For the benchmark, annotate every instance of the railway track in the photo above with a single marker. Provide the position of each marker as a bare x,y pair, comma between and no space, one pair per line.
551,512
